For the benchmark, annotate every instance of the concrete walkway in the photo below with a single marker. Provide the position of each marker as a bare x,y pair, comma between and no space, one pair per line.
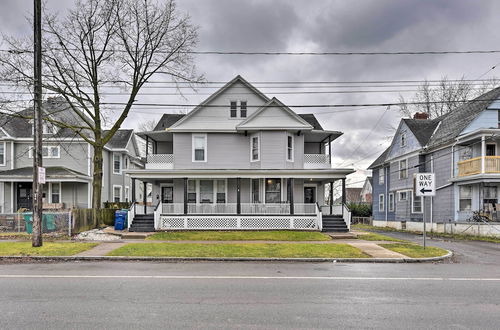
100,250
376,251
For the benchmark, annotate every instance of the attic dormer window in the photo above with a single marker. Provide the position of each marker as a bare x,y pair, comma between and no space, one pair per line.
233,109
49,129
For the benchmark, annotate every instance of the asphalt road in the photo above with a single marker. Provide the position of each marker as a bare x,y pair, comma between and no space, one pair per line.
463,293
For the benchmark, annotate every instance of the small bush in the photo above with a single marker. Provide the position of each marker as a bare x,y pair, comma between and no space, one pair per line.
360,210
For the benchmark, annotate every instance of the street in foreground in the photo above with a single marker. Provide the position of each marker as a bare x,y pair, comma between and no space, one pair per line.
463,293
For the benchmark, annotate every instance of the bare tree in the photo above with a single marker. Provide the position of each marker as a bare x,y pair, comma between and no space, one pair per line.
147,125
437,99
102,43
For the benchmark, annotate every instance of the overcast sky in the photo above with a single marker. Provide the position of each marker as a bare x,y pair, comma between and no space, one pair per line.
329,25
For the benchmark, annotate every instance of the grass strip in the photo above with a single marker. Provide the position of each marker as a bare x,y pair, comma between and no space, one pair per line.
461,237
414,250
26,236
250,250
378,237
274,235
47,249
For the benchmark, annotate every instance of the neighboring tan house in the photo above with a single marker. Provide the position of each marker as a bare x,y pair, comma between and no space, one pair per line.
67,159
366,191
239,160
461,148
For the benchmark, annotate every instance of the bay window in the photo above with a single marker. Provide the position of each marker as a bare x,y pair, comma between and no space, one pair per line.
2,153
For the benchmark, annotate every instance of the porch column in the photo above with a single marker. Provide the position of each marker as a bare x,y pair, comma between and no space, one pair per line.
133,191
331,198
483,153
185,195
238,195
290,197
145,196
343,191
147,146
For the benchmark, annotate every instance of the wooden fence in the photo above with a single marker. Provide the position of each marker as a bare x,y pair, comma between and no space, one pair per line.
85,219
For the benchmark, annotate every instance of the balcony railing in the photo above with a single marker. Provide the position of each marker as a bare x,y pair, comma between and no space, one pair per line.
474,165
160,161
316,161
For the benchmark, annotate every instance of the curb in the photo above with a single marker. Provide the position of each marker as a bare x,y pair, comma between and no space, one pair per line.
182,259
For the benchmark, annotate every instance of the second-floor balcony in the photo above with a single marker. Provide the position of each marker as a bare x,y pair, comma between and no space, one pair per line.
160,161
317,161
479,165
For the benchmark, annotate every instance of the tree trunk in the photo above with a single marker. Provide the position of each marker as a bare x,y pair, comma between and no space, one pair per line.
97,182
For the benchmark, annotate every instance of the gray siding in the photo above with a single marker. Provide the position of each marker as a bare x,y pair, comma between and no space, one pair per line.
412,143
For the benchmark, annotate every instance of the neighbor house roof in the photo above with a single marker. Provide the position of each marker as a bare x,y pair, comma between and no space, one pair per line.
422,129
167,120
454,122
120,138
380,160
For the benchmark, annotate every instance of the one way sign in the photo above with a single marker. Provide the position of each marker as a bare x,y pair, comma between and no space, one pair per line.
425,184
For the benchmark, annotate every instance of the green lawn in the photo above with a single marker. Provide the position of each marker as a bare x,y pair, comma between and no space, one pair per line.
256,250
415,251
275,235
47,249
378,237
26,236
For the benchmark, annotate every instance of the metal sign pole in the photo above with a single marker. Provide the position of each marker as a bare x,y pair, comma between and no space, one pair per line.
423,217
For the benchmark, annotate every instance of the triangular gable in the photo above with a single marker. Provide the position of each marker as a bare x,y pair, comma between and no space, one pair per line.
202,106
274,115
412,143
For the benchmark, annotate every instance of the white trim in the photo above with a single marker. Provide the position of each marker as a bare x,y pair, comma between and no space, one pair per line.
253,136
121,162
205,154
293,147
4,153
399,195
381,201
121,192
12,155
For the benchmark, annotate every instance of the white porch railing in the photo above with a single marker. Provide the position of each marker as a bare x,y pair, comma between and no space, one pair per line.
261,208
229,208
316,161
304,208
336,209
160,161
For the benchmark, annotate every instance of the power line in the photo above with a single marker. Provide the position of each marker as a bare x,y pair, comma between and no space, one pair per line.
276,53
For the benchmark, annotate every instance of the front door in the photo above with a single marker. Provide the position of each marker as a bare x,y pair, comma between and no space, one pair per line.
24,195
309,195
167,195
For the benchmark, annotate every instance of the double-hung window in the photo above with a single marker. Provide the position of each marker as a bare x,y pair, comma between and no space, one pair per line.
391,202
381,176
206,191
199,147
2,153
117,194
55,192
221,191
289,148
381,203
403,195
117,163
403,139
465,195
416,204
403,169
48,152
233,109
243,109
255,148
191,191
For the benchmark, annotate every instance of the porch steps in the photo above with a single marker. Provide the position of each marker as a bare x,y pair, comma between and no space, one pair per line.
143,223
334,223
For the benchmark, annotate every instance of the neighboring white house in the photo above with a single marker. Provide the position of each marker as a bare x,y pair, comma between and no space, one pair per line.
239,160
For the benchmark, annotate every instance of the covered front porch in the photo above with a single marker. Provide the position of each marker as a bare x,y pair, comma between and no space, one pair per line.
242,199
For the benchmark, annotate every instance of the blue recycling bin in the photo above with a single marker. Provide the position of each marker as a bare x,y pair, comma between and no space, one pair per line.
120,219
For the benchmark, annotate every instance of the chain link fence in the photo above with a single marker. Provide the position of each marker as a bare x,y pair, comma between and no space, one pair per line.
52,222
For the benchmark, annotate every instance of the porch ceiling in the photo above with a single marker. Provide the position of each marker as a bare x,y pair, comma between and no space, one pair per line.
478,178
321,174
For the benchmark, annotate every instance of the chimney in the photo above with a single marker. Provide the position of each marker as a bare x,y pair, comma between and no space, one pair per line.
421,115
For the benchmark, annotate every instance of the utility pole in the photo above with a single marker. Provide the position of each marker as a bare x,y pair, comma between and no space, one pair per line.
37,125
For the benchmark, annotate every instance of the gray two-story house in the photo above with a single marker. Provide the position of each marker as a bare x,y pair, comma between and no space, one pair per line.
67,159
461,148
239,160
